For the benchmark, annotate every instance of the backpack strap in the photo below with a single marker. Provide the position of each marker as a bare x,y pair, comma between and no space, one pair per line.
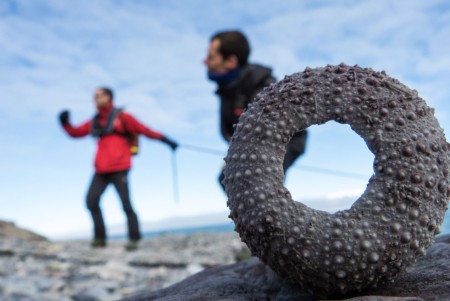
124,125
97,130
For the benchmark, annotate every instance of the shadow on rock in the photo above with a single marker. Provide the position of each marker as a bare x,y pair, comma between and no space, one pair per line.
428,279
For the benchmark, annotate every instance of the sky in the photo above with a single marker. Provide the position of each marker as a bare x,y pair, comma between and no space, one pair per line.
55,53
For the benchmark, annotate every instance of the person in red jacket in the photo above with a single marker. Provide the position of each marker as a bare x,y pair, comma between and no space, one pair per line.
113,129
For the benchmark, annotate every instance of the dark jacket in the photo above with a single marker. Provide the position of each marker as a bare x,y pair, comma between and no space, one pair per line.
238,94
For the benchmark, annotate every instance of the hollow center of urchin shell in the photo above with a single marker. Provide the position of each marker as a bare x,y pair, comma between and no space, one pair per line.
336,167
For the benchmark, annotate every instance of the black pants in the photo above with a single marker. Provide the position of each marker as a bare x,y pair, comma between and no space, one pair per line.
98,185
294,149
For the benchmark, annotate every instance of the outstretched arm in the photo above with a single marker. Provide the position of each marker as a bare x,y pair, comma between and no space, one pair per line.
173,145
132,125
79,131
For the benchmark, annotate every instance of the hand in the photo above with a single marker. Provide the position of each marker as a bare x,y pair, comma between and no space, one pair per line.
173,145
64,117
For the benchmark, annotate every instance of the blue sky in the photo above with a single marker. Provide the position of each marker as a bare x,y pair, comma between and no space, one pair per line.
55,53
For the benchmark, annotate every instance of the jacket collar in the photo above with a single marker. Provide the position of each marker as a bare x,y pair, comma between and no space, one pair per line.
104,111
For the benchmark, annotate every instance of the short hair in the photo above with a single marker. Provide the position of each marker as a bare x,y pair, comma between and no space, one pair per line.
233,42
108,91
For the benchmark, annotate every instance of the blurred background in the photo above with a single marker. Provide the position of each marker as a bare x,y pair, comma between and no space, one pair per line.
54,54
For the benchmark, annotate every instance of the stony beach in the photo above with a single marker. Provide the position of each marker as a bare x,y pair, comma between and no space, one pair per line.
200,266
35,269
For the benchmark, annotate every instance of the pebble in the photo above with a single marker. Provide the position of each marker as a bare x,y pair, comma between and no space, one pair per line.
72,270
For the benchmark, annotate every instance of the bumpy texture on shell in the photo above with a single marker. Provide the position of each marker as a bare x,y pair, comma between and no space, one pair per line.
387,228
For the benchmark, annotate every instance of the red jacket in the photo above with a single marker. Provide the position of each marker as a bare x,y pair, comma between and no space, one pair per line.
113,150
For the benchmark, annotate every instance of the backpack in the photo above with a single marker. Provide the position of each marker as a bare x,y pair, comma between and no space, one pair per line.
98,131
132,138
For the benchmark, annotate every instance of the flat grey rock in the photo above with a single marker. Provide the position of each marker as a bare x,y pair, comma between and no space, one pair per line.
428,279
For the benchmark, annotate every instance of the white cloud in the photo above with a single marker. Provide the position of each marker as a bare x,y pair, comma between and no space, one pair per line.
54,54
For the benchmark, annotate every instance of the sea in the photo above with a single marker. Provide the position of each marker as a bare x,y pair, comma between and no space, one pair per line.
445,228
229,227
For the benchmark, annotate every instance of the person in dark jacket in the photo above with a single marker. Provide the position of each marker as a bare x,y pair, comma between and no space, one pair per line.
238,83
113,129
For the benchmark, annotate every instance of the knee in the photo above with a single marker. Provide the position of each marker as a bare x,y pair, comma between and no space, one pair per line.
92,203
127,208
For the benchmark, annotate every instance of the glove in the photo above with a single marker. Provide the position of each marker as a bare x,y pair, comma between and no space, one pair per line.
173,145
64,117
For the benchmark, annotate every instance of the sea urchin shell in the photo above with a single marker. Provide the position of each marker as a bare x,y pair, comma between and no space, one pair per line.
393,222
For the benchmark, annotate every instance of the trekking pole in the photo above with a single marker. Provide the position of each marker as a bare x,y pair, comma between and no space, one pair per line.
205,150
175,177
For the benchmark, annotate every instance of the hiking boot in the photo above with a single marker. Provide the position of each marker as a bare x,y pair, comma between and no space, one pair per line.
98,243
132,245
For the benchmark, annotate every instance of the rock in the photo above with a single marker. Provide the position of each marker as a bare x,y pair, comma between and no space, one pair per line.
93,294
428,279
20,288
443,238
248,280
41,270
201,266
381,298
9,229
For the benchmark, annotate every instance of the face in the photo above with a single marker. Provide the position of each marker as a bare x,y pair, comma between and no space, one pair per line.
101,98
215,62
